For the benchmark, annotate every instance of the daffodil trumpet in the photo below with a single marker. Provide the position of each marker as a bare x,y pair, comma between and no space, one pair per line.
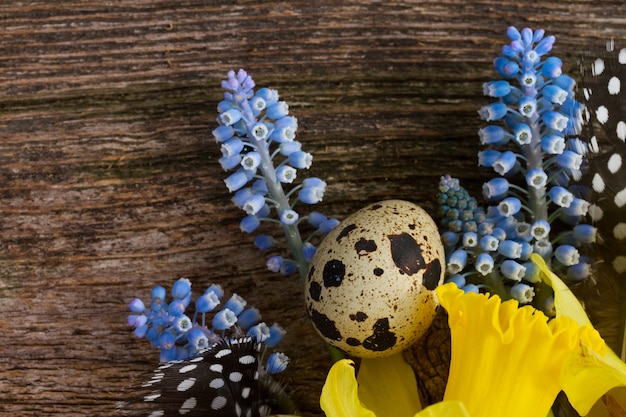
506,360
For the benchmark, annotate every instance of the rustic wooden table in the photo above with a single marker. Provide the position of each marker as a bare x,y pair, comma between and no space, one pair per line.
109,181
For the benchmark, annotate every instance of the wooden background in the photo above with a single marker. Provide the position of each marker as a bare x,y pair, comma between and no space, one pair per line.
109,180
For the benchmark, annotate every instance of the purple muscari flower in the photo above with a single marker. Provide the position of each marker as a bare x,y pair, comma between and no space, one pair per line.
536,178
457,261
300,159
489,243
248,318
511,249
540,229
224,319
493,135
493,111
513,270
274,263
236,304
527,106
498,88
523,293
553,144
504,163
509,206
522,134
261,332
495,188
249,224
560,196
286,174
567,255
288,217
277,334
276,363
181,288
254,204
484,264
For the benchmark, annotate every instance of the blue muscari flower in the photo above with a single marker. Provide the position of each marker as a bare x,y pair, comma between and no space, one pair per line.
261,123
504,163
531,206
260,331
276,362
179,337
523,293
248,318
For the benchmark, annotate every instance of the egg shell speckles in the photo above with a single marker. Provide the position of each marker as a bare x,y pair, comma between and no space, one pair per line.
370,286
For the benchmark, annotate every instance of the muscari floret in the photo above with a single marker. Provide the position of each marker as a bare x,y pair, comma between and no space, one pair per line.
257,137
531,144
179,337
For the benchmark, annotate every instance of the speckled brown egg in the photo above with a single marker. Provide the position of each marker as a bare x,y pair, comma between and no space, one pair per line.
370,289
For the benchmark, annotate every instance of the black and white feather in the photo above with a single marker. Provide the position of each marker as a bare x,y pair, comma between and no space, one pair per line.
221,381
604,90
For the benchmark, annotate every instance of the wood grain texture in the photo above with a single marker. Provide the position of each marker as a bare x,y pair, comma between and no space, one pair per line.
109,181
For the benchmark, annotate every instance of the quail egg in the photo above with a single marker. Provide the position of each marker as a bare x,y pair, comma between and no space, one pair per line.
370,288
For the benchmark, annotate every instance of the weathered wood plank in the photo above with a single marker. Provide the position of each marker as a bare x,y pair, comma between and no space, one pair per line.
109,181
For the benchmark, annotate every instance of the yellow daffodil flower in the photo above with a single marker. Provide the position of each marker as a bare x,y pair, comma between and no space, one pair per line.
506,360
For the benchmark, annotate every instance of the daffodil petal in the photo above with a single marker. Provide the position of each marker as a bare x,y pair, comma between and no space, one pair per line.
444,409
565,301
340,393
388,387
594,369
